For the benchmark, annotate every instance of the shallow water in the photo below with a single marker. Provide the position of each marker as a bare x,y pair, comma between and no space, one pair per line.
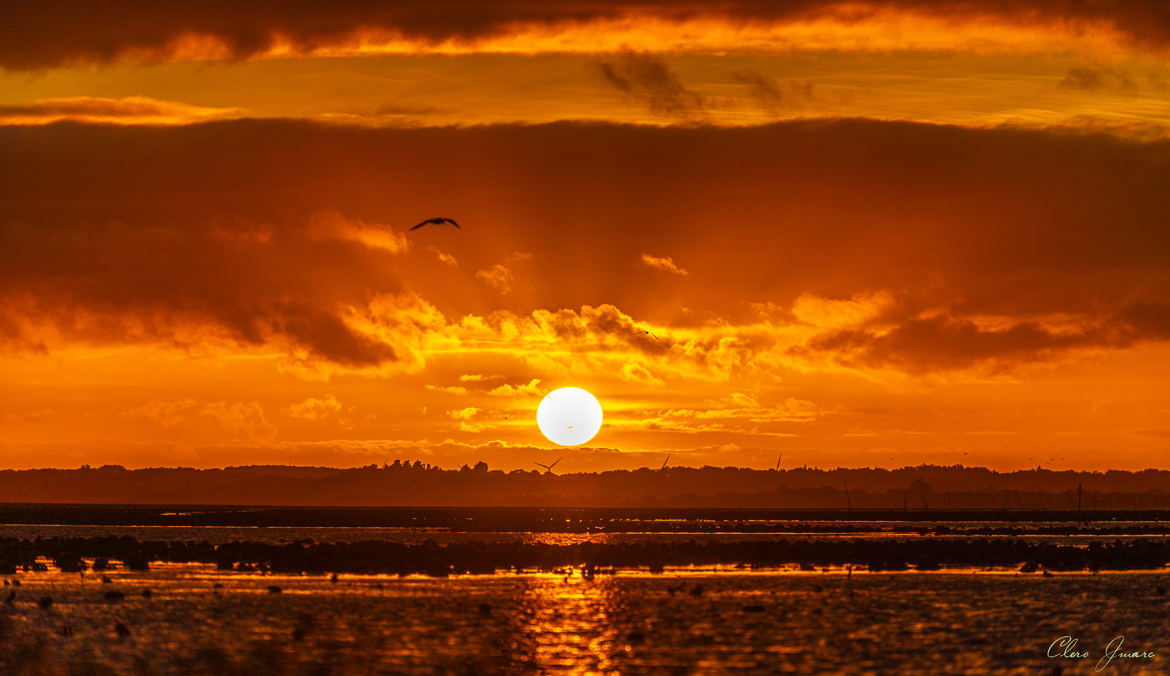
625,623
199,619
217,535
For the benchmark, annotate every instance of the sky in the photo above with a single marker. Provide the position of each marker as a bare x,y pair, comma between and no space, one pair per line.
877,233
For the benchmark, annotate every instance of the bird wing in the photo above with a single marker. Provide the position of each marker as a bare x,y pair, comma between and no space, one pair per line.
429,220
452,222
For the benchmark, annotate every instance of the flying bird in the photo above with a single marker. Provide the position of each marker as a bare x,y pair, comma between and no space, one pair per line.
647,333
548,468
437,221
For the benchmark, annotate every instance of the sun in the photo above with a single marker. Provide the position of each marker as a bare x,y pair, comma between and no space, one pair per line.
569,416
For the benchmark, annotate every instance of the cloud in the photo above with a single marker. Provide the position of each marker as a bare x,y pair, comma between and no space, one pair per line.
773,95
444,258
315,409
62,32
332,224
239,420
110,282
651,81
741,407
861,243
449,389
637,373
531,389
945,341
498,277
127,110
399,110
243,421
833,312
666,264
164,413
1095,78
1159,78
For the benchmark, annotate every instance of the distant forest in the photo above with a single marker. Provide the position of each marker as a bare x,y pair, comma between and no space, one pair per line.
421,485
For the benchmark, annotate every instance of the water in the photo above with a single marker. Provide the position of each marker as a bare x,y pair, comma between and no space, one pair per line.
626,623
709,620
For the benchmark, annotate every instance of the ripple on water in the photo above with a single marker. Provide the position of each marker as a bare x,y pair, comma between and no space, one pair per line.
691,621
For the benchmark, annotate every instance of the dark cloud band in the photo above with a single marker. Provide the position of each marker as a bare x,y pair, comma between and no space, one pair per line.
136,233
45,34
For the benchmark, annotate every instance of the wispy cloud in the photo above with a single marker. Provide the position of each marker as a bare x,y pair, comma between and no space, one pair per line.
650,80
315,408
126,110
664,263
498,277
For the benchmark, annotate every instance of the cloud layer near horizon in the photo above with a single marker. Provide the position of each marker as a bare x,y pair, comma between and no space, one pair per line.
38,35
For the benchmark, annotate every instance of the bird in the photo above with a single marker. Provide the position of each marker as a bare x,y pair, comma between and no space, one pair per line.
647,333
548,468
436,221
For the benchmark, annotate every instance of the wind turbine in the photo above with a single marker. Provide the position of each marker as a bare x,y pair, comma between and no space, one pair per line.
664,463
778,461
548,468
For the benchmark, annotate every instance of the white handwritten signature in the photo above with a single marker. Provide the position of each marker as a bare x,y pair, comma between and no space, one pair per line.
1065,647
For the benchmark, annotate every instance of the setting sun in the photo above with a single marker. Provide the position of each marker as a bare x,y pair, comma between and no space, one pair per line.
569,416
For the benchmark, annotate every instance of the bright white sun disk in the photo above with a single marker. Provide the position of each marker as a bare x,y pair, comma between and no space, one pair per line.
569,416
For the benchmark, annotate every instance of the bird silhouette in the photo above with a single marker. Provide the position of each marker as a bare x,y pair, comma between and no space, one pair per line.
437,221
548,468
647,333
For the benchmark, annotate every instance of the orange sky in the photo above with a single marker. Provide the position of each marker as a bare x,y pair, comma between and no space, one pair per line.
873,233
